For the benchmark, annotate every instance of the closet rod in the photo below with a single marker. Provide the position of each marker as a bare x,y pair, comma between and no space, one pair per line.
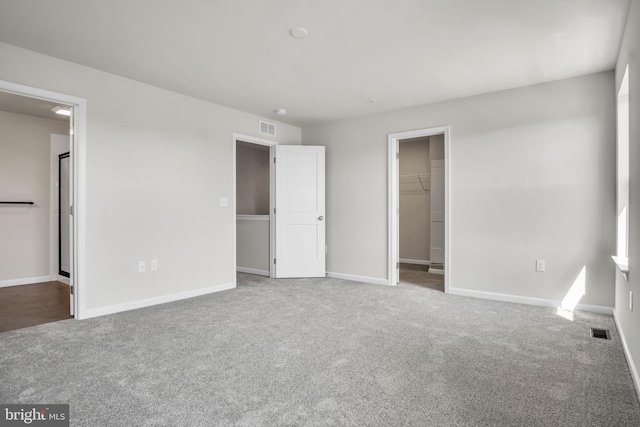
16,203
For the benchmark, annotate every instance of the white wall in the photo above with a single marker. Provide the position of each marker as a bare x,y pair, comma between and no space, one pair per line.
24,176
532,177
629,321
157,165
415,210
253,245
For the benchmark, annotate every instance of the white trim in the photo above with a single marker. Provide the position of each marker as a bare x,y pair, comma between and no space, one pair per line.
272,216
118,308
252,271
78,156
414,261
25,281
252,217
627,353
393,191
63,279
541,302
355,278
259,141
436,271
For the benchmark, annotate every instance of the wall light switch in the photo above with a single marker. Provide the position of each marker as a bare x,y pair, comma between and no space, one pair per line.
154,264
142,266
540,265
224,202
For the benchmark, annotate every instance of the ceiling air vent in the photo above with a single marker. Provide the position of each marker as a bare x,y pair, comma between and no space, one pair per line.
267,128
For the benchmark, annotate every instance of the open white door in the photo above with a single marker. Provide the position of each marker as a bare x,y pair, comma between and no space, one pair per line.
299,211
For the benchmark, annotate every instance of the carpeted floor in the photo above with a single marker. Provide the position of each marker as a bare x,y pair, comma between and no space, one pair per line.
314,352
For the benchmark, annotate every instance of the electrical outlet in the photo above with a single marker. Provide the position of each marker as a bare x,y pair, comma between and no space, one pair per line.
142,266
630,300
540,265
154,264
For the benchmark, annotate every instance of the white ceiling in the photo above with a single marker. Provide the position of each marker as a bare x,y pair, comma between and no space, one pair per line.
403,53
29,106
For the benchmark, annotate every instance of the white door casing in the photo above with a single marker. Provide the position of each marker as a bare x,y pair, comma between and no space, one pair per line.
393,205
437,212
78,174
300,211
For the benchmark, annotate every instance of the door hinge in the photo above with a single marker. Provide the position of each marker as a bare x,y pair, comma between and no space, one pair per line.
274,261
71,210
397,265
398,156
274,160
274,210
326,249
71,289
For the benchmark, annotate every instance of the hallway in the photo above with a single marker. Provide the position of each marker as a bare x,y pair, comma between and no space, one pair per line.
30,305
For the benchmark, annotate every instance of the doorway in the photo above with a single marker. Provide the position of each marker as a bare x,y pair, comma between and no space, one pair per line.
297,242
252,206
419,208
76,124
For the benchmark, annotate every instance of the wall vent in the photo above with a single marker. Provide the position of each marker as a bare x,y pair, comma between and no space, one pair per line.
600,333
267,128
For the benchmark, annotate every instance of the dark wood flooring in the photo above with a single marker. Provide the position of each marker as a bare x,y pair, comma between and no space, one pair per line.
30,305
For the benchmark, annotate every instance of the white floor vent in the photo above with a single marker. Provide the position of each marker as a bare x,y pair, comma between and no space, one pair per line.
267,128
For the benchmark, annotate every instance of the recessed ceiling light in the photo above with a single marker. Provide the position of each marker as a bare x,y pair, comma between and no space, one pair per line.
281,111
62,111
299,32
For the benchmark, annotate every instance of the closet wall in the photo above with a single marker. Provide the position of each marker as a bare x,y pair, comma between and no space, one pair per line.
252,208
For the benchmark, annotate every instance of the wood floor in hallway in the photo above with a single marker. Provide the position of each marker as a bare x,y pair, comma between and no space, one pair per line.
30,305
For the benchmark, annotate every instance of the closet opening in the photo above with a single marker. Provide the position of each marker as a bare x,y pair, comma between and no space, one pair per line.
252,206
421,217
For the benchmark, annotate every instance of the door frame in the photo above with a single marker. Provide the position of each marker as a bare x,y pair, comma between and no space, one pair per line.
258,141
393,202
78,177
60,272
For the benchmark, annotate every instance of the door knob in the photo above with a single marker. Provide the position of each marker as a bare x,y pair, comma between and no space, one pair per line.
320,218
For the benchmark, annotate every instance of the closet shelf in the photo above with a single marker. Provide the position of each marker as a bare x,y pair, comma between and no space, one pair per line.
415,179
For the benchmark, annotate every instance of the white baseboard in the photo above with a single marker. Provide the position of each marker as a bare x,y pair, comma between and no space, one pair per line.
118,308
414,261
627,353
354,278
253,271
436,271
26,281
528,300
63,279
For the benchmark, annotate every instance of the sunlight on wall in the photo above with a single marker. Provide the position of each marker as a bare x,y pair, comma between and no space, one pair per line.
622,241
573,297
